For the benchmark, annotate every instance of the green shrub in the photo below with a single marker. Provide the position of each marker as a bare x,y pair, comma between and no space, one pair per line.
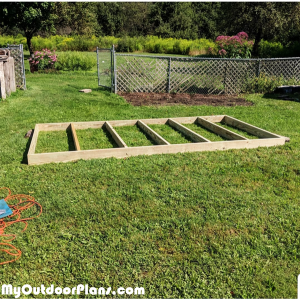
152,44
267,84
270,49
11,40
74,61
44,59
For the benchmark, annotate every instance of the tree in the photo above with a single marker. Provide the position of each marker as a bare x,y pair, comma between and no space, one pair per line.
123,18
174,19
79,17
261,20
207,17
30,17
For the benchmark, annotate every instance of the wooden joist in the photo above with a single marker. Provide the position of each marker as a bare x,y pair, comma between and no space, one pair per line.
115,135
154,135
223,132
248,128
235,141
75,139
188,132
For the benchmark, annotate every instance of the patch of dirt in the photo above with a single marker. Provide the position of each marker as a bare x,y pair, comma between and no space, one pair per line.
146,99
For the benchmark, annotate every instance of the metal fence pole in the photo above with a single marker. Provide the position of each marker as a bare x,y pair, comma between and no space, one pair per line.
225,75
111,69
169,76
258,68
115,70
98,66
23,66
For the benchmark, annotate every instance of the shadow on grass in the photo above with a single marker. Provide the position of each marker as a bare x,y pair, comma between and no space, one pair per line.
24,159
71,142
109,137
289,97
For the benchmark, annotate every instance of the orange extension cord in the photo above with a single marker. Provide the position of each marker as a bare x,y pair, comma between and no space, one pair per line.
24,202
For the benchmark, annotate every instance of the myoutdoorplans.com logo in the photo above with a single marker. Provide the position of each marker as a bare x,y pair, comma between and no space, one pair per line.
8,289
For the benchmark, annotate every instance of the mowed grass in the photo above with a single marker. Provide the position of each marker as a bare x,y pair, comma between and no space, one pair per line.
133,136
92,138
170,134
238,131
221,224
213,137
54,141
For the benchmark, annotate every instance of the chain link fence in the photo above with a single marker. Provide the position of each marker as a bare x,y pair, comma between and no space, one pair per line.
17,52
105,67
141,73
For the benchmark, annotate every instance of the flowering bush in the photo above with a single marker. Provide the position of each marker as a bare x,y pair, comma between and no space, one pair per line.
44,59
236,46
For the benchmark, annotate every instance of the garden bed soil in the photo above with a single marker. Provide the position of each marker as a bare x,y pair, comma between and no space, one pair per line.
146,99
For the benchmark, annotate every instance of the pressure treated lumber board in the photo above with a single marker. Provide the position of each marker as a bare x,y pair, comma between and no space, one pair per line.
154,135
236,141
33,143
188,132
115,135
248,128
225,133
74,134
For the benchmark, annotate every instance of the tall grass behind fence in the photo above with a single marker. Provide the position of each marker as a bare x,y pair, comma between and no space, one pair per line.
152,44
139,73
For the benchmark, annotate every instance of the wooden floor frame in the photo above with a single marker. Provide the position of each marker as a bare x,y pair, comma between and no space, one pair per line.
235,141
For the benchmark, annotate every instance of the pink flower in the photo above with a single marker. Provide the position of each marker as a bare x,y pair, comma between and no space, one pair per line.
222,52
243,35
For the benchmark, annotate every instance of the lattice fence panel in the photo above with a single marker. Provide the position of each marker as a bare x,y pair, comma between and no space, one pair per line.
237,73
284,68
141,75
16,51
197,75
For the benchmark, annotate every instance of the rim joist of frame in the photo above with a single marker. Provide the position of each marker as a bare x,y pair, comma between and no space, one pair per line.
200,143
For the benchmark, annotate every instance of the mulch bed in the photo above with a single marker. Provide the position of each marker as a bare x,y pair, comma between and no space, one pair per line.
146,99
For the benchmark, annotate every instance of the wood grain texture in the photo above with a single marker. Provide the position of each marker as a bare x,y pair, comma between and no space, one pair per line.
225,133
236,141
115,135
75,139
42,158
154,135
2,82
188,132
248,128
34,140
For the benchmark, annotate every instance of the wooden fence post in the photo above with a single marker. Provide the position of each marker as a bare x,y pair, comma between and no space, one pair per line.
2,82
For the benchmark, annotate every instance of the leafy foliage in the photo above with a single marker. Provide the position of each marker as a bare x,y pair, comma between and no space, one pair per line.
74,61
267,84
28,16
263,20
44,59
236,46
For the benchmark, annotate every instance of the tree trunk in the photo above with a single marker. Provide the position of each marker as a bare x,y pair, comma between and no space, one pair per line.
258,37
29,37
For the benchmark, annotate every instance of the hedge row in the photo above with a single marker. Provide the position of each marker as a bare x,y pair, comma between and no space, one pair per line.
151,44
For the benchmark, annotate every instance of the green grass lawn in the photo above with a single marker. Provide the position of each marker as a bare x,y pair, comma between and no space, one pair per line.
222,224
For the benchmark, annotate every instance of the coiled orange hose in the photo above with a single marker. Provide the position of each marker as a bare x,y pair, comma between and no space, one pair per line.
24,202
